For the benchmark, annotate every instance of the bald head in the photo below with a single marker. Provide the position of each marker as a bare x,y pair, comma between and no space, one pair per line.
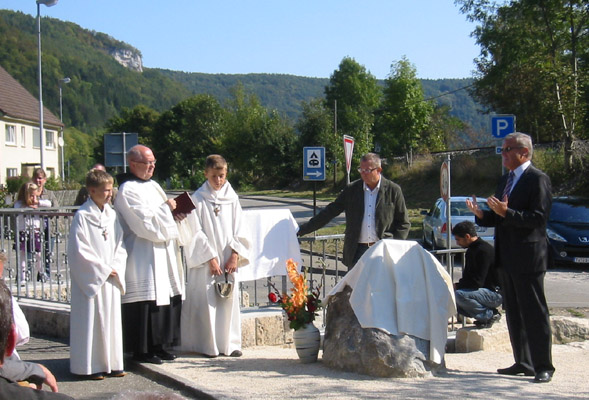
141,162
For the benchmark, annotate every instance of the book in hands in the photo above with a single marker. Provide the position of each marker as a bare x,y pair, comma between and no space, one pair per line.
184,204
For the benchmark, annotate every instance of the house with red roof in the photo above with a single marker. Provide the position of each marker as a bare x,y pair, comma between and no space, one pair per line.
20,151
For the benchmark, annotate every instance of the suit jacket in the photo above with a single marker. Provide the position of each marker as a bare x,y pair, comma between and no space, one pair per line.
521,245
390,215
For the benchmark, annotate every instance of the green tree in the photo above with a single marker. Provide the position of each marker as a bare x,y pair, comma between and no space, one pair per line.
532,53
78,158
259,146
315,127
355,94
185,135
404,113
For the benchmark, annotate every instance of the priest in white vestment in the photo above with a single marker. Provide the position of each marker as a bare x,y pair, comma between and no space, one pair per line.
154,277
97,260
210,323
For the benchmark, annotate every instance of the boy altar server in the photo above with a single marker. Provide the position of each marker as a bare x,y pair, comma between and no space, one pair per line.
210,324
97,259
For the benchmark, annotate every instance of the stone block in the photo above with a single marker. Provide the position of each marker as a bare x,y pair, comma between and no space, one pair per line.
248,332
269,330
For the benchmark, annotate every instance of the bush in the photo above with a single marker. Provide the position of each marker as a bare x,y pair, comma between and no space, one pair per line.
14,183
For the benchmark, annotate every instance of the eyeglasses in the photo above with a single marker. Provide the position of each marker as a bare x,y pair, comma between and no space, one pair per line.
147,162
367,170
508,149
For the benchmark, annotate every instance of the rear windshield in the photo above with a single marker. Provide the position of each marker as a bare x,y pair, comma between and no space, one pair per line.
459,209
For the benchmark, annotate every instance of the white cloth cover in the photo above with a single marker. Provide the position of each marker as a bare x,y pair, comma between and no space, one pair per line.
154,267
273,234
95,249
399,287
211,324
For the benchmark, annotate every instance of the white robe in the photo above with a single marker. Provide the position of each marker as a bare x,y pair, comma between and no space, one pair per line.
154,268
23,333
211,324
96,336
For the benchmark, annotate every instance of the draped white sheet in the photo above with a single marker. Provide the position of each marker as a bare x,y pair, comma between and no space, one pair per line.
401,288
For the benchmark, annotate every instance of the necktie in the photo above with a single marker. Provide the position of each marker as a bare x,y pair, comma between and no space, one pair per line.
508,185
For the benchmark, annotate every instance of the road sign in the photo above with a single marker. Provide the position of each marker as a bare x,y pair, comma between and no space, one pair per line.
502,125
445,181
116,146
314,163
348,150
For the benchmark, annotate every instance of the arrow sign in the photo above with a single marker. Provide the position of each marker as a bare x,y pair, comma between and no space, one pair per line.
314,163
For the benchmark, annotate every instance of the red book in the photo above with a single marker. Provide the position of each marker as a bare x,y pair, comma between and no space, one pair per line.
184,204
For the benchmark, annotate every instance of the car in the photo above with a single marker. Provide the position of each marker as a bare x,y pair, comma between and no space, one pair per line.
435,222
568,231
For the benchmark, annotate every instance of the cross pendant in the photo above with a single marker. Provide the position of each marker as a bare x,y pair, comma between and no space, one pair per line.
217,210
105,234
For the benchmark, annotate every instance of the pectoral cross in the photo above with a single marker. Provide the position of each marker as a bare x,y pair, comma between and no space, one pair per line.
217,210
104,234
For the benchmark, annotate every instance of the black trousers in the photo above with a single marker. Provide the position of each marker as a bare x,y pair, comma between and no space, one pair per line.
528,319
148,327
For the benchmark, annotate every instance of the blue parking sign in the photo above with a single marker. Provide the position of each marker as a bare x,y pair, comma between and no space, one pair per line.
502,125
314,163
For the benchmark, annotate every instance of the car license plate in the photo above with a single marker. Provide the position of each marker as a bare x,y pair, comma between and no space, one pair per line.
582,260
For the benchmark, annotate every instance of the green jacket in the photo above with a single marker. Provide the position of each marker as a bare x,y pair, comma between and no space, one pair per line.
390,216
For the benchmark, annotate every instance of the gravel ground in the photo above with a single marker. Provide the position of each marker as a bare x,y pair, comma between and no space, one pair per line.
274,372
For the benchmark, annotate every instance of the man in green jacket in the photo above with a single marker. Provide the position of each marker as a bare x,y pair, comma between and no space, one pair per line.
375,209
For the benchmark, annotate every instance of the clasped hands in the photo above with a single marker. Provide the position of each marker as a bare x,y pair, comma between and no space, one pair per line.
230,265
497,206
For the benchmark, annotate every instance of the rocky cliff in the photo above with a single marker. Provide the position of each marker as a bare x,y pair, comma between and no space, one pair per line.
127,58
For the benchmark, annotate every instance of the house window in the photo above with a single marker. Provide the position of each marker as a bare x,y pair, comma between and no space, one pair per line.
50,139
11,172
11,134
36,138
23,136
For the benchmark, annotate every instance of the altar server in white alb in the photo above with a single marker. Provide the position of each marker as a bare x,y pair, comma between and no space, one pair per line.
154,277
211,322
97,260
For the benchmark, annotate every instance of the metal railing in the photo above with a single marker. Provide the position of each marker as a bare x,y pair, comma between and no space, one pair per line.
35,244
42,246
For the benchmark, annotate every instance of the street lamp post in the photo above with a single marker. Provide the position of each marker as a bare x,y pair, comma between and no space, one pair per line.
62,144
48,3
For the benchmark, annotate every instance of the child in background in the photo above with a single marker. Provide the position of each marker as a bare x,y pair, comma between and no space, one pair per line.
210,323
97,259
29,230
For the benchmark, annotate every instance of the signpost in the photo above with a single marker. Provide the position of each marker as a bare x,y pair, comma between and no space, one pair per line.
116,146
446,195
314,168
502,125
348,151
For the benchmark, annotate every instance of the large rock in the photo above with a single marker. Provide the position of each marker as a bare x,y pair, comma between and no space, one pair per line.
349,347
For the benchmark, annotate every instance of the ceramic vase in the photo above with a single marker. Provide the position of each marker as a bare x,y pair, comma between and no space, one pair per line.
307,341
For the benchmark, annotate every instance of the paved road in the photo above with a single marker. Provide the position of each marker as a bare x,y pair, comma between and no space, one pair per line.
566,288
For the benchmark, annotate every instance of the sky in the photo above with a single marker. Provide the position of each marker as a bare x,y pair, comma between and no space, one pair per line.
303,37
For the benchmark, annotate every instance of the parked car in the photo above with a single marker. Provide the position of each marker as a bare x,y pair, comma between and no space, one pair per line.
568,231
435,222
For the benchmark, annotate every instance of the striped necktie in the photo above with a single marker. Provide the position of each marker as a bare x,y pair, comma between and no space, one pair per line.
508,185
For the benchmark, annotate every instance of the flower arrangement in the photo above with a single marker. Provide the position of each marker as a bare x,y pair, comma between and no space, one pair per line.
301,305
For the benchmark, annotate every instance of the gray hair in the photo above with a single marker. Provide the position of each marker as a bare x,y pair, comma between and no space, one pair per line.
523,140
372,158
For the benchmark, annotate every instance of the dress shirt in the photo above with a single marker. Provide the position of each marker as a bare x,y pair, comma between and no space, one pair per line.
368,230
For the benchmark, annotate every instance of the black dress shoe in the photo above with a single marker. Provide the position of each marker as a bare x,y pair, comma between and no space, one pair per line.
543,376
515,369
164,355
148,358
236,353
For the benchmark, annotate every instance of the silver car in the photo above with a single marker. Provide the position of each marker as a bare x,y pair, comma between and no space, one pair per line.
435,222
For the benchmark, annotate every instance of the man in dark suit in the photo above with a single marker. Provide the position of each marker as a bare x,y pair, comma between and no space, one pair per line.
375,208
519,211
